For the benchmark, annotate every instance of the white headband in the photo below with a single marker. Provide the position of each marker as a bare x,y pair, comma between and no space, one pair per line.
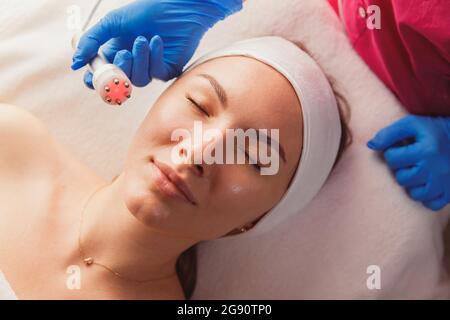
321,121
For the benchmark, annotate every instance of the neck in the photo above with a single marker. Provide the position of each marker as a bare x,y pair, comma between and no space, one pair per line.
113,237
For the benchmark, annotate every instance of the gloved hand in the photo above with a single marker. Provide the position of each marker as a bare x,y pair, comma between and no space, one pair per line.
152,38
418,150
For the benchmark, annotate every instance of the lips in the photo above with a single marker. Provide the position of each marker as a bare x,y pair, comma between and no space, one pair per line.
171,184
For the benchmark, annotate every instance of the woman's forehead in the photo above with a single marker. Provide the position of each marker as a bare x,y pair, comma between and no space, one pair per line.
247,81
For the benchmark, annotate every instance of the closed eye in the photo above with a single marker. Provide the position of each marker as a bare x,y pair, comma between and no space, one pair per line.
196,105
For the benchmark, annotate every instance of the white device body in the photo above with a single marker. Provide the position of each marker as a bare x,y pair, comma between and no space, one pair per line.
110,82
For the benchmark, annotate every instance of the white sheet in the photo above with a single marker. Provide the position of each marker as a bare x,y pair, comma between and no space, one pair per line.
6,293
360,218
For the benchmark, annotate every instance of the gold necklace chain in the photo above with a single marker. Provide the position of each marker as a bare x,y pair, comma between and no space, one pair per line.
89,261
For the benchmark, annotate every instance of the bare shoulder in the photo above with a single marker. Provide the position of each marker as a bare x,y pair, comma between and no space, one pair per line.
13,117
23,138
25,159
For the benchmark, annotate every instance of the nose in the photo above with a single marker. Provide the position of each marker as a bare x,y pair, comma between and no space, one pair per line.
191,153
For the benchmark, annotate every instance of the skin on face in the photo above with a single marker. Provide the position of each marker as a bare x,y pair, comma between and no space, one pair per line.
228,196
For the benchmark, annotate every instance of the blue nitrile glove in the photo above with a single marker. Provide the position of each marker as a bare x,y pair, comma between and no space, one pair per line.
417,148
152,38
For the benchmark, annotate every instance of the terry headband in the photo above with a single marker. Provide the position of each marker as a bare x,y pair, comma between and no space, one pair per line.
321,121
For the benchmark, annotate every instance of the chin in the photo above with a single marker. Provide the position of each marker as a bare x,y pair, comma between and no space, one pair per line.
143,204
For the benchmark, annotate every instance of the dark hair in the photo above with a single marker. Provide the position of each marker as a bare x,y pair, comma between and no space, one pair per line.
187,270
344,114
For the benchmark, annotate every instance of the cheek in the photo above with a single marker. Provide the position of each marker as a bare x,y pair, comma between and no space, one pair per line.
237,188
242,196
163,120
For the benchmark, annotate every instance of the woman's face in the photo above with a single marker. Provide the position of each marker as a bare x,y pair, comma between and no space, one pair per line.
224,93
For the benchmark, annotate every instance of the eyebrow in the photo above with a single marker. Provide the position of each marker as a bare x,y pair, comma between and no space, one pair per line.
220,91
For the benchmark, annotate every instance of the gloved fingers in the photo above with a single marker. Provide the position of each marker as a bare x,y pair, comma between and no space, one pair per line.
124,60
412,176
109,51
141,55
393,134
426,192
157,66
88,79
401,157
436,204
92,39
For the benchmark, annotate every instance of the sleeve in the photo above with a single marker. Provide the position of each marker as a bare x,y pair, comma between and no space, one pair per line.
428,20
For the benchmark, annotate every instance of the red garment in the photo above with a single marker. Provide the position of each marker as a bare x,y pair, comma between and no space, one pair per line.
410,53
